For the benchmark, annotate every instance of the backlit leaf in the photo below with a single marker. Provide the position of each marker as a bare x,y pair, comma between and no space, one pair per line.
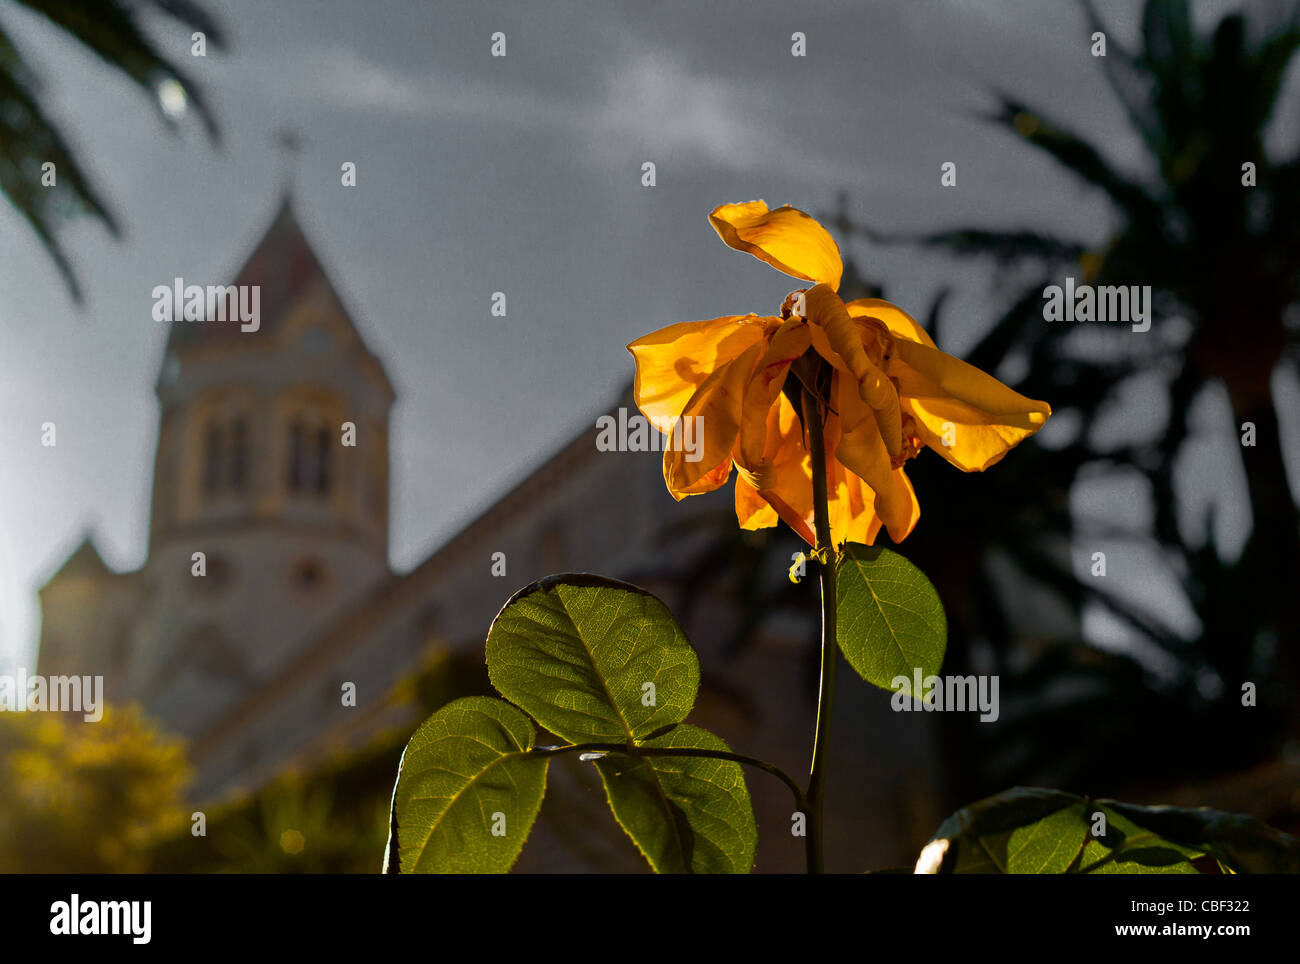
593,659
1028,830
685,814
890,623
467,790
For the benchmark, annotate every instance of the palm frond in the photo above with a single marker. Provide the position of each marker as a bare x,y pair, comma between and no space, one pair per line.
29,137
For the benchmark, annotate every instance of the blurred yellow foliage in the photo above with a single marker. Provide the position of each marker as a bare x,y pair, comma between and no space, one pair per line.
78,797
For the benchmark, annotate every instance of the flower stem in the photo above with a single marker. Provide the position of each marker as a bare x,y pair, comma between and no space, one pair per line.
812,422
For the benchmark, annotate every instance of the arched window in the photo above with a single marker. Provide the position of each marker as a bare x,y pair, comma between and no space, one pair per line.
309,456
323,460
225,455
212,446
297,455
308,418
238,454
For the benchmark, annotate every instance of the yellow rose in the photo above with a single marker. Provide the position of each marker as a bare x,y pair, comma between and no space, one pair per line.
891,391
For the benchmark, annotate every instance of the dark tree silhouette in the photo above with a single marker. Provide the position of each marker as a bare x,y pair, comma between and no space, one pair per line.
1221,256
29,137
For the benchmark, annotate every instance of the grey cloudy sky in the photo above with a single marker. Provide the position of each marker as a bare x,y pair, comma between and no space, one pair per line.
518,174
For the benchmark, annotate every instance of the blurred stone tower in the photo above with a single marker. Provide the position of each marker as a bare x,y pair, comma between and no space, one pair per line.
255,471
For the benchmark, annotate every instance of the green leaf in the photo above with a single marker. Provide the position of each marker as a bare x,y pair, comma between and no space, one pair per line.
685,814
1031,830
1143,860
467,790
1049,845
577,652
1239,841
1127,848
998,833
889,623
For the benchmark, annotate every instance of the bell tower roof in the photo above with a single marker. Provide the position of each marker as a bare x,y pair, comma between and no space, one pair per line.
287,274
282,265
84,561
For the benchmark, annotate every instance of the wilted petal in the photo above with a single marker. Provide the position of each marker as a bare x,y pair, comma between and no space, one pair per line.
891,316
861,450
845,337
851,505
787,239
954,402
717,408
781,477
672,363
978,440
752,510
787,345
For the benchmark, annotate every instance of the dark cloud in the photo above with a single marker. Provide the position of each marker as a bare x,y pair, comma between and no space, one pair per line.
518,175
